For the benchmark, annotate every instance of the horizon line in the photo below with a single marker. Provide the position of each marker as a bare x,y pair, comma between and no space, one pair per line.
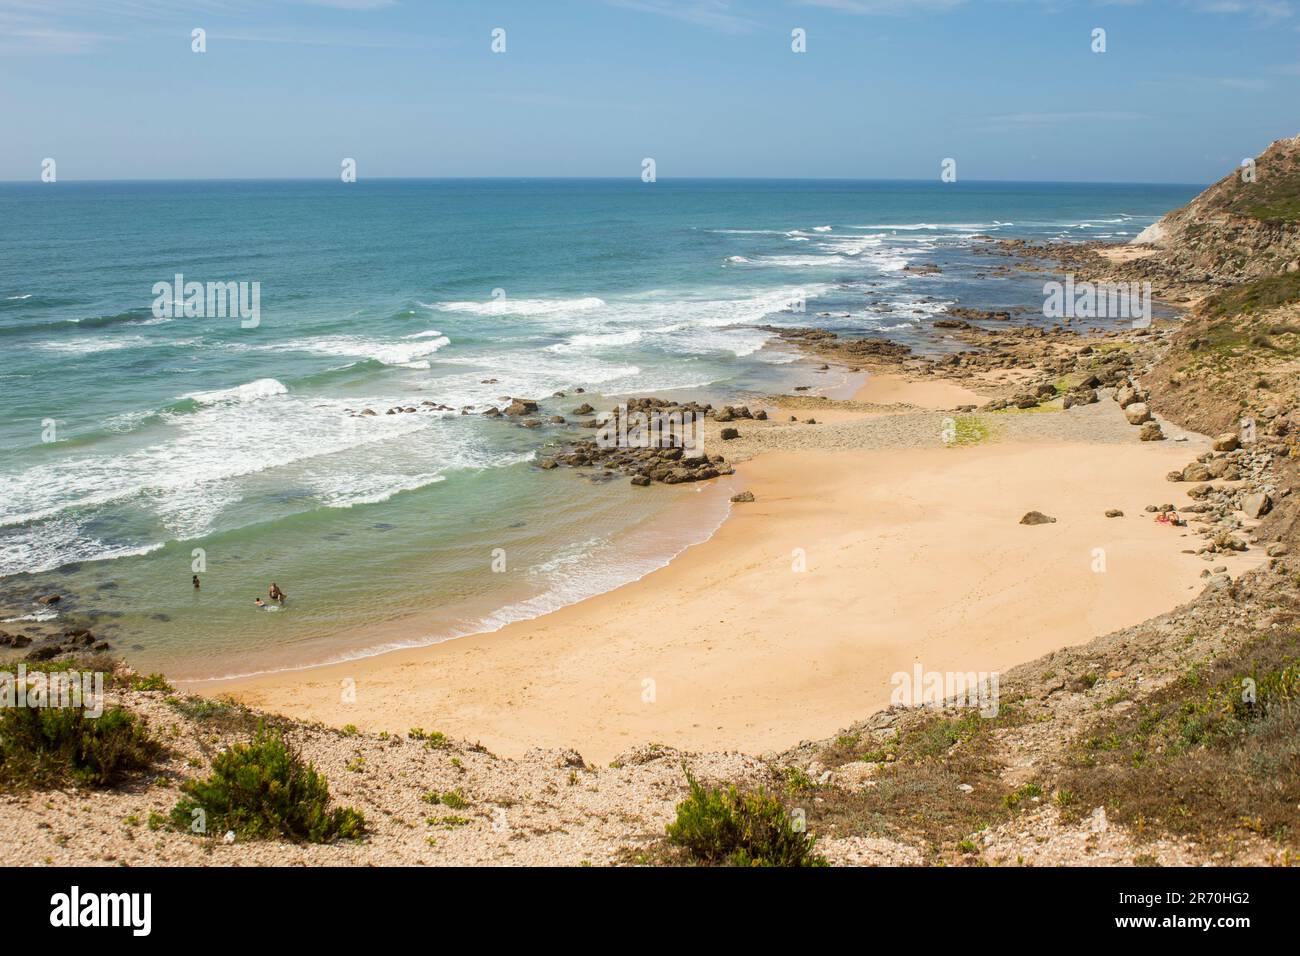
636,179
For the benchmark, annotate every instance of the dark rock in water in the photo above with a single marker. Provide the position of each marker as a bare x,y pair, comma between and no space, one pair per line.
640,481
521,406
46,653
49,599
107,586
137,647
103,646
1037,517
760,416
547,464
583,409
493,412
578,391
556,420
382,526
519,524
160,617
743,497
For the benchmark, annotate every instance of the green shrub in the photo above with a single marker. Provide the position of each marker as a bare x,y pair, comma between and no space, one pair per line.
739,829
266,789
152,682
57,746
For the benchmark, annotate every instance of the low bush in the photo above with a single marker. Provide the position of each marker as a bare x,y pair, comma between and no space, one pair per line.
731,828
59,746
265,789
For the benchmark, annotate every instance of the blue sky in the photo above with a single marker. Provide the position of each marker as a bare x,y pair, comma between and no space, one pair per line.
887,88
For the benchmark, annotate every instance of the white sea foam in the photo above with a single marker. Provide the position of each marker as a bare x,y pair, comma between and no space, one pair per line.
407,352
801,262
936,226
248,392
586,342
101,343
38,616
508,306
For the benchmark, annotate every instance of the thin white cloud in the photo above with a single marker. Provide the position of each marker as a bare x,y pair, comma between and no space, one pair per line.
718,14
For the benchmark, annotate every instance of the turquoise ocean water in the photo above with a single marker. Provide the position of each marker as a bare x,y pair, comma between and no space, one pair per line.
175,434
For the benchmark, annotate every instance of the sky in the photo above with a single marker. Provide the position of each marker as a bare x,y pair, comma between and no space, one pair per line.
886,89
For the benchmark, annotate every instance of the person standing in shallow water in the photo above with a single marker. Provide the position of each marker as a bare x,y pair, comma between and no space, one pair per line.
196,582
275,593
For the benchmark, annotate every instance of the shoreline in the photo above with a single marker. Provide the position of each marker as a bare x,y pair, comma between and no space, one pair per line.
733,671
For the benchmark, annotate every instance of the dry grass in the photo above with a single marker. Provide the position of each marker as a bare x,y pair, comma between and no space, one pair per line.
1196,759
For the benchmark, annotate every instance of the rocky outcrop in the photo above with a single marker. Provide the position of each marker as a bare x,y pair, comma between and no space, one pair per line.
1246,226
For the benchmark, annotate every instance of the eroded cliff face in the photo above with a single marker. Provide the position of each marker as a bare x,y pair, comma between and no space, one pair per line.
1244,227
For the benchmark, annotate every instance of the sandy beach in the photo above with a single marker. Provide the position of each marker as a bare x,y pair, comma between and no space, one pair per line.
851,565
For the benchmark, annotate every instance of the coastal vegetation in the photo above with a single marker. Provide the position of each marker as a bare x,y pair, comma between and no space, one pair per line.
729,827
1213,754
265,789
45,747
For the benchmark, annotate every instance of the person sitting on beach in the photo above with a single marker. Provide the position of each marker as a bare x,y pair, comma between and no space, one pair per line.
275,593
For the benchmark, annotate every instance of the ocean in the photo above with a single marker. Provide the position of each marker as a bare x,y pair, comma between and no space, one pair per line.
137,445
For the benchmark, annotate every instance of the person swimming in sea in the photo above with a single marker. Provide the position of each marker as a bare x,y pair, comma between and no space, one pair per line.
258,602
275,593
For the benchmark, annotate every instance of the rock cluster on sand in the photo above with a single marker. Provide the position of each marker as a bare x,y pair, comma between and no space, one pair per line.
1249,491
668,465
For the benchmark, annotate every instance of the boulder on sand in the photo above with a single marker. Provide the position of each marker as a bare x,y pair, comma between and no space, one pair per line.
743,496
1226,442
1257,505
1037,517
1151,431
1137,413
